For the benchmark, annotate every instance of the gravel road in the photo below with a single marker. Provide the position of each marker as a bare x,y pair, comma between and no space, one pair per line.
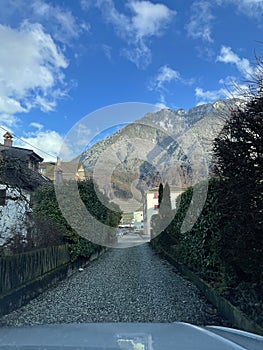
123,285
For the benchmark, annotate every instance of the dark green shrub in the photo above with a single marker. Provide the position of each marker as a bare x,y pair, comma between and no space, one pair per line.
47,212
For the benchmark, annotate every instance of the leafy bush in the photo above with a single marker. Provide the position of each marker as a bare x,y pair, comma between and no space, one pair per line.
47,214
198,248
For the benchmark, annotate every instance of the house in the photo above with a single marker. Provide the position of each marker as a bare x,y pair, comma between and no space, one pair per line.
59,171
175,192
138,220
30,159
19,177
150,208
151,204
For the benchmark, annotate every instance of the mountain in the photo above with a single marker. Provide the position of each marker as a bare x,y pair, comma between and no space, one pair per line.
168,146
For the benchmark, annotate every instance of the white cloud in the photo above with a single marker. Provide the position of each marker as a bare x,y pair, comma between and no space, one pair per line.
146,20
57,20
139,54
61,22
149,19
165,75
250,8
201,20
36,125
48,141
107,51
81,135
209,95
8,120
243,65
86,4
31,69
231,89
227,91
10,105
199,26
76,141
161,104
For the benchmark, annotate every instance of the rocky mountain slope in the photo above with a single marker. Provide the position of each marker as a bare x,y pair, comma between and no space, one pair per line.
168,145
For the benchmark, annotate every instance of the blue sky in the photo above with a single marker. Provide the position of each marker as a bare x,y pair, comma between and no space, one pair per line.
62,60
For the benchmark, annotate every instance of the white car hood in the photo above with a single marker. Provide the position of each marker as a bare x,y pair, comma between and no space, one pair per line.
127,336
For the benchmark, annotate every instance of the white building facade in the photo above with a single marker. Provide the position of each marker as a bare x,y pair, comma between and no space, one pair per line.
174,194
19,177
150,208
14,213
138,220
151,205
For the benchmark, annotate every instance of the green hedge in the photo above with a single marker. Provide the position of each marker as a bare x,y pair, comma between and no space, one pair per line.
224,246
47,213
198,248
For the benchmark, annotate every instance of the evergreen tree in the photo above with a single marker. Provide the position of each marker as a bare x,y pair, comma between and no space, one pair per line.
165,205
239,157
160,196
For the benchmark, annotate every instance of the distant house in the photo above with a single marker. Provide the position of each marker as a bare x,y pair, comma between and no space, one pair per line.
19,177
138,220
151,204
150,208
59,171
175,192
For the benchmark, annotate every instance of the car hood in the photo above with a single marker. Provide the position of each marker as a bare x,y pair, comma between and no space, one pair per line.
127,336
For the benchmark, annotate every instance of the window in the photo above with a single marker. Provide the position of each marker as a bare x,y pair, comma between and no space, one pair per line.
2,196
43,171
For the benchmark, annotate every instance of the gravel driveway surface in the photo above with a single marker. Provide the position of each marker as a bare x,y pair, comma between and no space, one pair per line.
123,285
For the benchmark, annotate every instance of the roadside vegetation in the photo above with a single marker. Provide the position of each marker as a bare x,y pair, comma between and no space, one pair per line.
50,228
225,246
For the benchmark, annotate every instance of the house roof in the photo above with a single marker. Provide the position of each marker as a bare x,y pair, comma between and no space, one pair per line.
20,152
14,169
67,169
153,190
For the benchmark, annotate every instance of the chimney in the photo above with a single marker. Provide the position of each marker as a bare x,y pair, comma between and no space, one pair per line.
8,139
